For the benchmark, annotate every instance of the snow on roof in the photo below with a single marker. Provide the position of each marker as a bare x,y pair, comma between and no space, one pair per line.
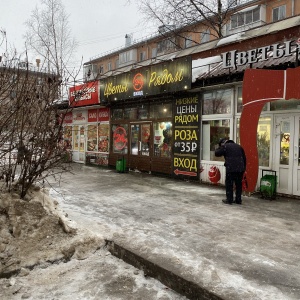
203,65
246,9
231,38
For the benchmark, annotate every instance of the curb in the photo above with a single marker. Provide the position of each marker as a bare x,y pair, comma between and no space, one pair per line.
182,286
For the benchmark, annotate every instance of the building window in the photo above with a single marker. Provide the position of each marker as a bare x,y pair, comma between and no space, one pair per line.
117,64
162,139
212,132
205,36
279,13
128,57
120,138
92,144
263,139
142,56
166,45
188,42
117,114
217,102
161,111
245,17
109,66
154,53
101,69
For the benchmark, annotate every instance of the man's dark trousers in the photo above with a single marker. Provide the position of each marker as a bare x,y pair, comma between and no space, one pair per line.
234,177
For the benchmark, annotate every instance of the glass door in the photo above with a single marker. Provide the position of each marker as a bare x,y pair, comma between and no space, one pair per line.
78,143
140,139
140,146
287,162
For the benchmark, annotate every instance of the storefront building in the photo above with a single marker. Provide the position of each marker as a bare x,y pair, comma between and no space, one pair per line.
168,116
86,126
244,89
146,105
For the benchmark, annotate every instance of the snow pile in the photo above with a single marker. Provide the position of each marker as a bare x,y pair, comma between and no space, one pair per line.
34,231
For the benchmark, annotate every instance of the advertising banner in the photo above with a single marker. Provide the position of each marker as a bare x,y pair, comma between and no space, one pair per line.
170,76
84,94
186,137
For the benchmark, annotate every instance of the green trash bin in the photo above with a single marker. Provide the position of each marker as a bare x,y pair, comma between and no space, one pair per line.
121,165
268,185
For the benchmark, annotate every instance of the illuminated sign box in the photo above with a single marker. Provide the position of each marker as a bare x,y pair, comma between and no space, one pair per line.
171,76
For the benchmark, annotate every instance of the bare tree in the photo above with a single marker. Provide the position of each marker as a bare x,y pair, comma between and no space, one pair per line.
187,14
31,125
49,35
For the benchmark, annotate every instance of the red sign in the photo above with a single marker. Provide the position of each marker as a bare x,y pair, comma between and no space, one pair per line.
68,117
120,138
92,115
138,82
103,114
84,94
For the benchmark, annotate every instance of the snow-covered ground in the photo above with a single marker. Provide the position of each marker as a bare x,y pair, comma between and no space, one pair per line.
250,251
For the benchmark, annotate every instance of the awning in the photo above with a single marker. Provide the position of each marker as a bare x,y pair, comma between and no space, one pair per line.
205,68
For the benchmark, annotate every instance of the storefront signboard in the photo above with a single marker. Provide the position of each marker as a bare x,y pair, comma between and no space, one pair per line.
234,58
67,118
98,115
84,94
186,137
103,114
170,76
80,116
92,115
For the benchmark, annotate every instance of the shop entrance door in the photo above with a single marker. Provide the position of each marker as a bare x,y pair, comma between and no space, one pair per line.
78,144
287,160
140,151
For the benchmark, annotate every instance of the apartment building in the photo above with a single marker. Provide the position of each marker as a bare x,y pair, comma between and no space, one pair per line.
171,96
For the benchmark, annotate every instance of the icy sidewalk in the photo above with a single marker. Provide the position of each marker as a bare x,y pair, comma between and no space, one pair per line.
235,252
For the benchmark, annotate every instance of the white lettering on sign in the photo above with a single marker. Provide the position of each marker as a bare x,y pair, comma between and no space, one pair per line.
92,115
234,58
84,94
103,114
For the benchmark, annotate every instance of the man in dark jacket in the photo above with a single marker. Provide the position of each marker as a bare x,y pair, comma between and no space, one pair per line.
235,164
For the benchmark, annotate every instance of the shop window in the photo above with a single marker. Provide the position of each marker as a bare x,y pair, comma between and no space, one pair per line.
279,13
117,114
239,105
130,113
263,140
92,138
67,138
143,112
291,104
76,138
120,138
161,111
162,139
103,137
217,102
212,132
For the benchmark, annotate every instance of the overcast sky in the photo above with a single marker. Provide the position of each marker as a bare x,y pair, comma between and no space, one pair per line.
97,25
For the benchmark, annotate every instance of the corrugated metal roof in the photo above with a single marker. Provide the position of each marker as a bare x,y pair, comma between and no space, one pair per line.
217,69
